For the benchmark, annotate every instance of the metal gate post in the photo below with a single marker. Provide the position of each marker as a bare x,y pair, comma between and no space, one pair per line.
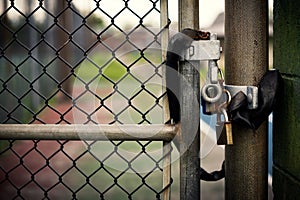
246,60
166,195
190,118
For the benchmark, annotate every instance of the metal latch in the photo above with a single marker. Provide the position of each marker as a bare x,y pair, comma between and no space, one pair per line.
250,91
214,87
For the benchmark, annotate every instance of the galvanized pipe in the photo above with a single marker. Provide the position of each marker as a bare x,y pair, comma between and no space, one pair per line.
190,116
246,60
188,14
164,15
157,132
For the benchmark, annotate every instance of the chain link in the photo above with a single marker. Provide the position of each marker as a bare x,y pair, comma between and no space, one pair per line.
62,65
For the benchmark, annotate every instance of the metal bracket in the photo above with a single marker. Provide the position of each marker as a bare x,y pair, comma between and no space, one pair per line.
203,50
250,91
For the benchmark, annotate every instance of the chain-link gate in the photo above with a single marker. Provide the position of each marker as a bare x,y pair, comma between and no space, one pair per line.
80,69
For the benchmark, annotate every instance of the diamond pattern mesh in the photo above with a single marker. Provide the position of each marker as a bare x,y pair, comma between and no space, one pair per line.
80,62
81,170
56,60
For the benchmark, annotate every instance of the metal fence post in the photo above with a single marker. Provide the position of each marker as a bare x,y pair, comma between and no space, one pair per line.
190,129
166,144
246,60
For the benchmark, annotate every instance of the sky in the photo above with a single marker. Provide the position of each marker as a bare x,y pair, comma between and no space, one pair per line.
208,9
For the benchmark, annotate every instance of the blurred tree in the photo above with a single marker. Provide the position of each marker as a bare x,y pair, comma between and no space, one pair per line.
33,70
4,22
5,70
65,51
96,22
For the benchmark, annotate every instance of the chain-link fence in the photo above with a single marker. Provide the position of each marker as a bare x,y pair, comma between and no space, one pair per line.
81,62
79,67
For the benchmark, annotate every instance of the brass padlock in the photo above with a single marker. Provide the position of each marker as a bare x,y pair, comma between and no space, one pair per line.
228,129
224,133
224,130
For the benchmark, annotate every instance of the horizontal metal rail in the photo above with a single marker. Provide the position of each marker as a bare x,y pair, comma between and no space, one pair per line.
159,132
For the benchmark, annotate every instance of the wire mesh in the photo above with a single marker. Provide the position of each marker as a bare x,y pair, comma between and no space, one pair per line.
81,170
75,62
72,64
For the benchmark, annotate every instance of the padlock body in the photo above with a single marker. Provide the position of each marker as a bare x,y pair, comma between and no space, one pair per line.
224,133
228,129
221,133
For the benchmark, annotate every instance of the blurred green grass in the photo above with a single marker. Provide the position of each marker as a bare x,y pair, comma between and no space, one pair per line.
115,68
